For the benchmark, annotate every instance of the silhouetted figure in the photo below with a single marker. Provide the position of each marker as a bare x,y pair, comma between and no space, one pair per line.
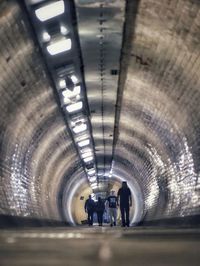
124,195
100,208
112,205
89,208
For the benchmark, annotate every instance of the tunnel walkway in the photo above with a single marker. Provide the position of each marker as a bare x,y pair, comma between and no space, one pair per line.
100,246
119,103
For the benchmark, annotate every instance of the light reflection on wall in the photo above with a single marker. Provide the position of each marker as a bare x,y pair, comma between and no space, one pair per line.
183,183
73,185
18,199
176,180
34,186
22,186
153,189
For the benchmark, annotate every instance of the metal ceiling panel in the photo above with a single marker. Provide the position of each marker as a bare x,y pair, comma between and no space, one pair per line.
100,26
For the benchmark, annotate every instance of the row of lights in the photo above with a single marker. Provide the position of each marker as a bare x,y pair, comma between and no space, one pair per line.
53,25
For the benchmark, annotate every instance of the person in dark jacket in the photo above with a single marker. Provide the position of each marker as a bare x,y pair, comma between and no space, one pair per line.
125,198
100,208
89,209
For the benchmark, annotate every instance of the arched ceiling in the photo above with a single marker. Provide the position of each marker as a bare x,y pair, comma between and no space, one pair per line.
146,128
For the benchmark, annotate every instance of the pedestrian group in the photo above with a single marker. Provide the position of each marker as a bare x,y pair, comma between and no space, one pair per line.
123,200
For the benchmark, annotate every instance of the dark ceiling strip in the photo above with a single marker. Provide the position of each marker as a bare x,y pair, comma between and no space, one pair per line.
128,34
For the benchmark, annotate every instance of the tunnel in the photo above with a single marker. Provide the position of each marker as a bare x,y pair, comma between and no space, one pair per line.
94,93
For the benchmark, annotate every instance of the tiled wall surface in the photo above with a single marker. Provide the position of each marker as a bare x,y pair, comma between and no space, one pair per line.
159,136
160,111
36,150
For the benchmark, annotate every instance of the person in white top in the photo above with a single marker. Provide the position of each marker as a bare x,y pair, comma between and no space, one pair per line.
112,205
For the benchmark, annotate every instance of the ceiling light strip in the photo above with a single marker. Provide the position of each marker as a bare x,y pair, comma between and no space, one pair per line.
58,41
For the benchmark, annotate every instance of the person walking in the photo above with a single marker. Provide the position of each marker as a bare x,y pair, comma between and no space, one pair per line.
100,208
112,205
125,198
89,209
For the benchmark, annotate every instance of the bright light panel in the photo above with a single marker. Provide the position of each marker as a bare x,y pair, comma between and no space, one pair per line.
91,172
94,185
46,37
74,107
69,100
92,179
88,159
63,30
77,121
62,84
70,94
83,137
84,143
86,150
79,128
86,154
50,11
59,46
74,79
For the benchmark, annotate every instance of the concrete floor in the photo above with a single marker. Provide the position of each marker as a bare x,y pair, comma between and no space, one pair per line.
99,246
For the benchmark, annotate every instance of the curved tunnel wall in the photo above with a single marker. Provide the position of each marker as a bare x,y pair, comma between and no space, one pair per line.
77,187
159,110
158,142
36,150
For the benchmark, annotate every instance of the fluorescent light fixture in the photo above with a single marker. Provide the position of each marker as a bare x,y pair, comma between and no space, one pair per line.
74,107
92,179
88,159
46,37
50,11
67,100
84,143
62,84
94,185
86,154
82,137
86,150
70,94
78,97
91,172
80,128
78,120
74,79
63,30
59,46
